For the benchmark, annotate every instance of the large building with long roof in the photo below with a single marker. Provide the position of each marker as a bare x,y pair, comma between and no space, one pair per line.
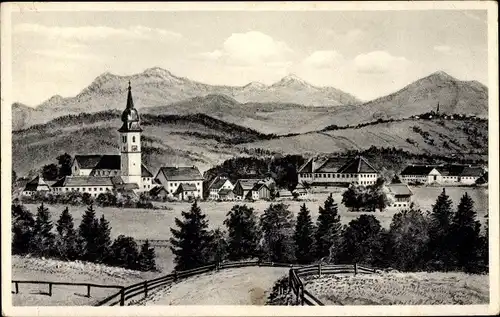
337,171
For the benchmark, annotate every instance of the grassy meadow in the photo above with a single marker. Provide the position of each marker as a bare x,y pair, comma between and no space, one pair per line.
422,288
155,224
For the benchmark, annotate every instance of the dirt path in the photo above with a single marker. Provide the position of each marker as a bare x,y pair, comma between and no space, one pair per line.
242,286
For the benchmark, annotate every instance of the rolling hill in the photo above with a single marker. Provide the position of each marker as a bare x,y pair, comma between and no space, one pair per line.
206,141
158,87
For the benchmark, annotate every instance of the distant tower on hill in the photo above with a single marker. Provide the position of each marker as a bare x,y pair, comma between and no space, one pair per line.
130,143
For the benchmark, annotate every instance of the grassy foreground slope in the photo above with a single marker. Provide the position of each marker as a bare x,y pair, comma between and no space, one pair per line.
35,269
422,288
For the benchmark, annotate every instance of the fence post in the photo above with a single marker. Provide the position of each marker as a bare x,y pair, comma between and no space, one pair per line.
88,290
319,269
145,289
355,268
122,296
50,289
290,279
17,288
302,295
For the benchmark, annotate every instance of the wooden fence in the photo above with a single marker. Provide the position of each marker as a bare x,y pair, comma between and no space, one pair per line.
50,285
295,284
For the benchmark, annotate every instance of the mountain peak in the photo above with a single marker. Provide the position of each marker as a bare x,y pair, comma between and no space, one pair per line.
441,75
157,71
292,79
255,85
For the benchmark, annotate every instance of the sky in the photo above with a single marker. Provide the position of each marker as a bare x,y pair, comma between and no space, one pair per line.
366,53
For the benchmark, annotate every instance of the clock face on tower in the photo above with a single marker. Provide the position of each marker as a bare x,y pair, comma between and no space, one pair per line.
134,148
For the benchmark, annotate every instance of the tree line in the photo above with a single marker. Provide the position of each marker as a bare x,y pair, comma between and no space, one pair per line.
91,241
440,240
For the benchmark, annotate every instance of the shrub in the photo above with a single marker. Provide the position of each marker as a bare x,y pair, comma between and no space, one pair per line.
124,253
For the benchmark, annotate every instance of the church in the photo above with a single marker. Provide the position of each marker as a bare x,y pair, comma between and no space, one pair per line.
96,174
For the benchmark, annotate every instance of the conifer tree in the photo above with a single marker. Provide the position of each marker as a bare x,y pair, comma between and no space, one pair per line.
439,247
191,240
277,228
465,236
103,240
43,237
66,239
218,250
304,236
23,225
147,257
243,232
328,230
87,232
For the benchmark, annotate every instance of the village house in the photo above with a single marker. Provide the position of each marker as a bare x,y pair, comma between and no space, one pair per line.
171,177
35,185
158,192
220,189
402,195
95,174
254,189
337,171
451,174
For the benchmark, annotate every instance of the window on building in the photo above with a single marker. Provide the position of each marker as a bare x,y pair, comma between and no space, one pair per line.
95,189
124,138
133,139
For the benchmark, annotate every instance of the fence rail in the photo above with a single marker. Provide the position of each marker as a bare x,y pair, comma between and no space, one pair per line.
295,284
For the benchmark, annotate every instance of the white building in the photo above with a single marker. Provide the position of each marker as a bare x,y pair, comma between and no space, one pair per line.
219,185
171,177
441,174
337,171
37,184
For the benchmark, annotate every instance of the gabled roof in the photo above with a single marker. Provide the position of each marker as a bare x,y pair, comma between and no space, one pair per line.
399,189
357,165
472,171
247,183
127,186
109,162
145,172
75,181
218,183
35,183
422,170
186,187
332,165
156,190
259,185
306,167
96,161
87,161
173,173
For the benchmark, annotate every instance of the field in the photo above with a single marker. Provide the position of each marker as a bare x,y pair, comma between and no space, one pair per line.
155,224
75,272
420,288
242,286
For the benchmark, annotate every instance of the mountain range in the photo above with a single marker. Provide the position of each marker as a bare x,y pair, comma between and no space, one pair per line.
158,87
290,105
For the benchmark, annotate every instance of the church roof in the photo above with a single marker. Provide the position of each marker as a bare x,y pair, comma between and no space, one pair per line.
98,161
130,116
173,173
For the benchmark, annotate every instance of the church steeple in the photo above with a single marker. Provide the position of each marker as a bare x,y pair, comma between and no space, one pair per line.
130,116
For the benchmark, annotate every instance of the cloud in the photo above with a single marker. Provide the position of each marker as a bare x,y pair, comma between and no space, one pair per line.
250,48
378,62
323,59
60,54
87,33
442,48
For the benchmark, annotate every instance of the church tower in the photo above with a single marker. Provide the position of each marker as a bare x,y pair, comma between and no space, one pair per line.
130,143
